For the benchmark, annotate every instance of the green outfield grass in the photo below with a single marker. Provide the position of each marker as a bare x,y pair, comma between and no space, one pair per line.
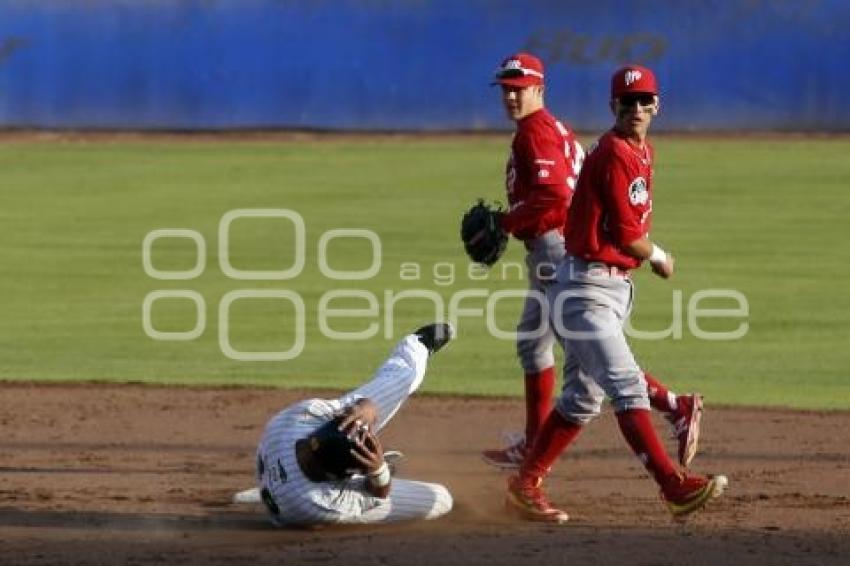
765,218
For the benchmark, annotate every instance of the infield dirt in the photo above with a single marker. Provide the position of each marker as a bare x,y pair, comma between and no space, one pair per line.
129,474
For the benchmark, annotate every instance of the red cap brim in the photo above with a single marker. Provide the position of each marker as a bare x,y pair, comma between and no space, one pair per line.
636,91
520,82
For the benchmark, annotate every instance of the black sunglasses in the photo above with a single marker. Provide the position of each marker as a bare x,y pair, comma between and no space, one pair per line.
629,100
510,74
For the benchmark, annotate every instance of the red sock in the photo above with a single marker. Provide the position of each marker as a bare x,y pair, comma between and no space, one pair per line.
539,387
636,427
555,435
659,396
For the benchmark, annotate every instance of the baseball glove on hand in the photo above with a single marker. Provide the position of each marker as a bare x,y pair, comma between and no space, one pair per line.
481,231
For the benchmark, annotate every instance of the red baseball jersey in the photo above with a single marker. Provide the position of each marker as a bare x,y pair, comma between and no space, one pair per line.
541,175
612,206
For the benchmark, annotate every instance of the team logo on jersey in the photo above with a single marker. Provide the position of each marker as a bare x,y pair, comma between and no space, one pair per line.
638,193
543,173
632,76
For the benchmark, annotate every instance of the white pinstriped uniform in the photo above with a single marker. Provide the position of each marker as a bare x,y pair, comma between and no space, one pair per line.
302,501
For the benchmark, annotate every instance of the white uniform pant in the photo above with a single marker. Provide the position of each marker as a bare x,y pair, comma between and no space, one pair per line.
535,337
589,307
399,376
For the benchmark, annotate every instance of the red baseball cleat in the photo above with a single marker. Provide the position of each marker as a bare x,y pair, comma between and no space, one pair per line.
689,493
510,457
526,498
686,421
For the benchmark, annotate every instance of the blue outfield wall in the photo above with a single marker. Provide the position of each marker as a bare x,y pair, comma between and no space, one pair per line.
414,64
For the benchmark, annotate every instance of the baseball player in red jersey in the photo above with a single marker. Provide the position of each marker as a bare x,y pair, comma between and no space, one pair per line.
541,175
607,236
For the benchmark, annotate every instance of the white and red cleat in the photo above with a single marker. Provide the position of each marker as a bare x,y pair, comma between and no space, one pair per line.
686,424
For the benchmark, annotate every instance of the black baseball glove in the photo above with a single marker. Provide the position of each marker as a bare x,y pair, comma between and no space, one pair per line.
481,231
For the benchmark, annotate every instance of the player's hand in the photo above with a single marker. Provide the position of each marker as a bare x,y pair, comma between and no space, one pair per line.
363,412
664,270
368,451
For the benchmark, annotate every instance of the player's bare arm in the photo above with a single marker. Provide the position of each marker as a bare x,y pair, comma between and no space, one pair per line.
662,263
370,453
362,412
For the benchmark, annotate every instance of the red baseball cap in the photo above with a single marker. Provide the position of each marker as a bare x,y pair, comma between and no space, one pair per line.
633,79
520,70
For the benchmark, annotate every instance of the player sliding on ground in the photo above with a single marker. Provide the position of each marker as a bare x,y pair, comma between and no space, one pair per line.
320,461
